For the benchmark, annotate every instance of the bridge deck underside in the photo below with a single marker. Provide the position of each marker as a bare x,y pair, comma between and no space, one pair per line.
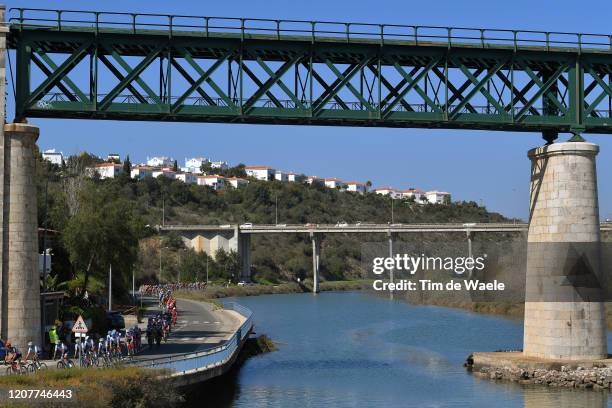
77,73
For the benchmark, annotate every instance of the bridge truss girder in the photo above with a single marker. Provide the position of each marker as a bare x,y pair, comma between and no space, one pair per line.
292,81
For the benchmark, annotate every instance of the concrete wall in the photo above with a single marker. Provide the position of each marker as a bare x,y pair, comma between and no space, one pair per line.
227,239
564,314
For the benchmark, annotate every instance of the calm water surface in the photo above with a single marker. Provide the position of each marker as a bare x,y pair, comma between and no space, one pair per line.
354,349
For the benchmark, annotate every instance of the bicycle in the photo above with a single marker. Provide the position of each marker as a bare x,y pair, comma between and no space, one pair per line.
65,362
36,365
16,367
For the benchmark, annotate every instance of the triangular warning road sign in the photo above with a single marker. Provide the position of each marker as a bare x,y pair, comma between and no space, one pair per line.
79,326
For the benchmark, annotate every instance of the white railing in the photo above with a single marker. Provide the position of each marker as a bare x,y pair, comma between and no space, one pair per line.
179,364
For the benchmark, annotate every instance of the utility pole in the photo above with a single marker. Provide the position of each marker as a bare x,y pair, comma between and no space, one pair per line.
133,288
160,261
110,288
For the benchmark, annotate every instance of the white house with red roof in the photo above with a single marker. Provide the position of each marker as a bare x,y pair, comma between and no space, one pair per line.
387,191
312,179
334,183
437,197
186,177
292,177
356,187
236,181
411,193
140,172
106,170
214,181
164,172
260,172
281,175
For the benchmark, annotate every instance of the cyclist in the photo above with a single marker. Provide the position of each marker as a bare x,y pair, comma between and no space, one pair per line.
32,353
61,347
12,354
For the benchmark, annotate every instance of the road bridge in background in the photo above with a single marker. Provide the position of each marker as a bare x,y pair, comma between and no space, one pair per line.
134,66
234,237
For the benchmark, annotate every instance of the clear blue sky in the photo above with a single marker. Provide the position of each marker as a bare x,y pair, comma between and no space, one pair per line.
473,165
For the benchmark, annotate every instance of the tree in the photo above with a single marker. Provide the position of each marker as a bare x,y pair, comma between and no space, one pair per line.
206,168
127,165
175,166
103,232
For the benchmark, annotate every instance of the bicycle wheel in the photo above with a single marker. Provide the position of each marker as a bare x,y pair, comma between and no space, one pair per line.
31,367
23,370
42,366
61,365
9,370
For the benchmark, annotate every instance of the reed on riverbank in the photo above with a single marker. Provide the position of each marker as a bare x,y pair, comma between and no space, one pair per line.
118,387
216,292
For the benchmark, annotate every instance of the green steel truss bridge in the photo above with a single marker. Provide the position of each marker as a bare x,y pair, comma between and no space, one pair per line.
103,65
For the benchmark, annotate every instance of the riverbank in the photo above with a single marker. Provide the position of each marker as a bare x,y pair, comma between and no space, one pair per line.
504,309
118,387
218,292
597,378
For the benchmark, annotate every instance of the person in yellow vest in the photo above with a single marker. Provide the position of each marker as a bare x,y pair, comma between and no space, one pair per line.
54,340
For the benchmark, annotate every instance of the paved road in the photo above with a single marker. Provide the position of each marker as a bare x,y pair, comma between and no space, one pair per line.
199,327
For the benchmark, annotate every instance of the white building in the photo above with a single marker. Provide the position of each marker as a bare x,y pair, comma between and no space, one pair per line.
219,165
292,177
356,187
387,191
140,172
334,183
187,178
411,193
437,197
160,161
260,172
281,176
213,181
164,172
106,170
194,165
237,181
312,179
54,157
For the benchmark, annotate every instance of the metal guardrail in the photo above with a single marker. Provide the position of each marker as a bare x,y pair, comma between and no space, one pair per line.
135,23
181,363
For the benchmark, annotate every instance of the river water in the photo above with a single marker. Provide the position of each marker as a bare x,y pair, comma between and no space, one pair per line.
356,349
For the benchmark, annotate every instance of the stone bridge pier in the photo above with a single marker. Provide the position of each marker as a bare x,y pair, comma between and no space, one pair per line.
20,320
564,305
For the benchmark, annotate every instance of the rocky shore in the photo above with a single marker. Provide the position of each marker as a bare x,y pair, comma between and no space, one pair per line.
597,378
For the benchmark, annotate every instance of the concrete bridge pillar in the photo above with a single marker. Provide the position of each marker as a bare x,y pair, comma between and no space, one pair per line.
316,257
244,254
20,296
564,309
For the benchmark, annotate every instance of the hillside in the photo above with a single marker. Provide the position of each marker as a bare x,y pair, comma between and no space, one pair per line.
138,204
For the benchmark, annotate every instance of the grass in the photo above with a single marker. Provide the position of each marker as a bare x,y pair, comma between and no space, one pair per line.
117,387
